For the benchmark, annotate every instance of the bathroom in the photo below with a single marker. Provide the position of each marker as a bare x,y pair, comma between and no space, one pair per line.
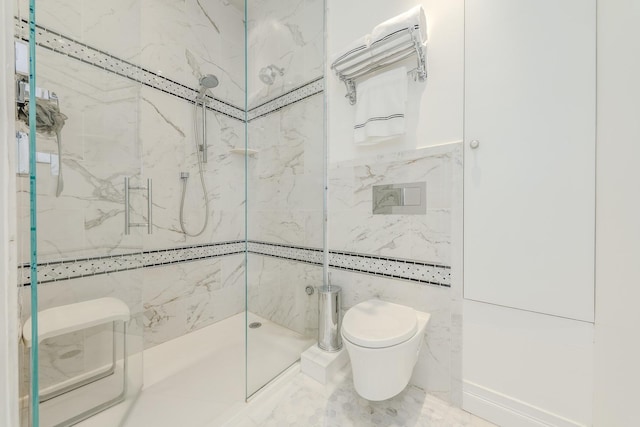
523,253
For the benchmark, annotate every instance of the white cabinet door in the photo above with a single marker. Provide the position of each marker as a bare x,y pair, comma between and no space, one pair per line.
529,195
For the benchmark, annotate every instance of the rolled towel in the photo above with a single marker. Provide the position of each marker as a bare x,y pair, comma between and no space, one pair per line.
353,53
413,18
381,106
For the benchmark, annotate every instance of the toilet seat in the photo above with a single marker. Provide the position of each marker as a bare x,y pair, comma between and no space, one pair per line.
378,324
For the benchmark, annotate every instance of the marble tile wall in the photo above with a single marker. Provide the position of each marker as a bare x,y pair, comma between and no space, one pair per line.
178,40
288,34
285,205
419,237
285,177
112,27
184,40
285,187
168,140
276,291
431,238
99,148
182,298
116,128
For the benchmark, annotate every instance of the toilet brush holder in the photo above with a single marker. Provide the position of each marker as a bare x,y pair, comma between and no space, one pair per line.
329,319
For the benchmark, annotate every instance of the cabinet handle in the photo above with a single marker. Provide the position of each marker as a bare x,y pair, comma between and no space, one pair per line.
474,144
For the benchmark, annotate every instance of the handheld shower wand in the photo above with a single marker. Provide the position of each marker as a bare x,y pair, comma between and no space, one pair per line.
207,82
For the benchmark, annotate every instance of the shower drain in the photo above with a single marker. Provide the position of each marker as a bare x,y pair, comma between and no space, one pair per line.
255,325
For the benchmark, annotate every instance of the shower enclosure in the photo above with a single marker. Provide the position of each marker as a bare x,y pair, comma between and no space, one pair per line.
285,108
112,263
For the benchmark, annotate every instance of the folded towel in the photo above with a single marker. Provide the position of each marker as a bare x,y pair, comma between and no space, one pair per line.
413,18
351,53
381,106
390,50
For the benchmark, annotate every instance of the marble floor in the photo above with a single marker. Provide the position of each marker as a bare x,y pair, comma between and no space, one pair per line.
298,400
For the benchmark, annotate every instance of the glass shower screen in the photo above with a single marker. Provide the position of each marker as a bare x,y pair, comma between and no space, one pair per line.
80,288
285,173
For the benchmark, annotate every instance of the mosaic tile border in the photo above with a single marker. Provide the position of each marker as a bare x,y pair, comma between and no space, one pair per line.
62,44
82,52
396,268
293,253
76,268
414,271
300,93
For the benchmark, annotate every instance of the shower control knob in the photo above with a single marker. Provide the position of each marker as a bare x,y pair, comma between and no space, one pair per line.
309,290
474,144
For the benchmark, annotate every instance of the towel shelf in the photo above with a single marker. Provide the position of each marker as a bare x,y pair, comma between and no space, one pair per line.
396,47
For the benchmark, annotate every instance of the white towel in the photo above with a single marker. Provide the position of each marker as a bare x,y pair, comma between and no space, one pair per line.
347,54
381,106
413,18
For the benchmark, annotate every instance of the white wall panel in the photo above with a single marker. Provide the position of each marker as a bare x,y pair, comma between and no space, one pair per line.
530,185
617,352
9,407
526,369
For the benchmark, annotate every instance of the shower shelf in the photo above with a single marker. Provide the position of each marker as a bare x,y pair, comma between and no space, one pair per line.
243,151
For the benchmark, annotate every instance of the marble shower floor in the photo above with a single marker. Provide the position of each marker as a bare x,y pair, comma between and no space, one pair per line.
198,379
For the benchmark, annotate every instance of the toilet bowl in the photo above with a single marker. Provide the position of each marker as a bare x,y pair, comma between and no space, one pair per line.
383,341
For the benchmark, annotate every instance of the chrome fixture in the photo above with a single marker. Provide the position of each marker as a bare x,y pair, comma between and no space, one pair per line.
381,54
208,81
49,121
269,73
329,319
400,199
127,207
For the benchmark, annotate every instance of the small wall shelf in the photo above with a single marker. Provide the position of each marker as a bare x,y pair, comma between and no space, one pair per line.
244,151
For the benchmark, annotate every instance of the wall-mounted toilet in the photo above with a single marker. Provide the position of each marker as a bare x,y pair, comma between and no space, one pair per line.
383,340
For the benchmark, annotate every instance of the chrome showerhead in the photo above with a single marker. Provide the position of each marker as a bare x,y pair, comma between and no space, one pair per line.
268,74
208,81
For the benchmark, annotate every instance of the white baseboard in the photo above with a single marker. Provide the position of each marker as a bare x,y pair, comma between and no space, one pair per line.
507,411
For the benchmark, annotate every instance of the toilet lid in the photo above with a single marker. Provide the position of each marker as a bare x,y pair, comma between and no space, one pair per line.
376,324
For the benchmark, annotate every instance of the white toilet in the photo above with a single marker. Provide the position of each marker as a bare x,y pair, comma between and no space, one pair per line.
383,340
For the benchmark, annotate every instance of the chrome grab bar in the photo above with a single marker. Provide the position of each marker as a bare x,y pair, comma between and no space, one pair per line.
127,207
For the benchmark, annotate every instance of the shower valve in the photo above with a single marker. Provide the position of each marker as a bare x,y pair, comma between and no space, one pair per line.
184,175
